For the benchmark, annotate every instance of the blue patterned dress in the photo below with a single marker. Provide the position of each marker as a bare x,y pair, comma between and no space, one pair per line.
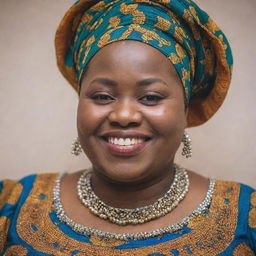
28,226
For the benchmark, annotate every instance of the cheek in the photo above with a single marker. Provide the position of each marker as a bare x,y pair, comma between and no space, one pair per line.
89,118
167,119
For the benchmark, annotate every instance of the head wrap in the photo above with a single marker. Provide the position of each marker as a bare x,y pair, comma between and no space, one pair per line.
179,29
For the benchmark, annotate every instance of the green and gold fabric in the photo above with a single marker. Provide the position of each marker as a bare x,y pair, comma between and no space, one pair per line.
179,29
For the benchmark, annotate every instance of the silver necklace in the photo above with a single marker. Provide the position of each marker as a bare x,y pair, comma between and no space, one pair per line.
124,216
87,231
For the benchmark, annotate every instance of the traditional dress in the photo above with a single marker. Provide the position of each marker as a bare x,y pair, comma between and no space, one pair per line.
29,226
202,57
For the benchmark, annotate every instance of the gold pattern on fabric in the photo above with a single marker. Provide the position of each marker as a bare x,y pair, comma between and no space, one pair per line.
105,243
174,58
252,213
90,41
223,44
15,194
196,221
16,250
78,56
85,44
212,26
144,1
138,16
128,9
194,13
48,238
194,27
181,32
98,7
192,62
162,24
243,250
147,35
165,1
96,24
178,34
105,39
85,55
174,18
114,22
4,227
10,193
252,218
253,199
185,75
6,190
85,19
180,51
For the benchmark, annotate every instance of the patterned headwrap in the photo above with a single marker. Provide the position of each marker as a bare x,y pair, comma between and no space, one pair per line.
179,29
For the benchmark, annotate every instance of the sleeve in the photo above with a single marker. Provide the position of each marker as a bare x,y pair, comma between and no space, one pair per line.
9,194
252,221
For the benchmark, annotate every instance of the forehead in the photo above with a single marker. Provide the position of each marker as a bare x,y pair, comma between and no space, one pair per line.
131,56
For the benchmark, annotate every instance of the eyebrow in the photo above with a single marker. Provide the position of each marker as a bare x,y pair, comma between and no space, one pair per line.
144,82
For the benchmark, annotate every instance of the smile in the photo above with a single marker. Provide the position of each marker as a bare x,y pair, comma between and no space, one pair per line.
125,146
125,141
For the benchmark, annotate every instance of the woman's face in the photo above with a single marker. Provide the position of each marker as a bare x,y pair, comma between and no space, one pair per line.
131,113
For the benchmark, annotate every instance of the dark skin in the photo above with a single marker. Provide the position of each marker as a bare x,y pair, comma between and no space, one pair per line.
130,86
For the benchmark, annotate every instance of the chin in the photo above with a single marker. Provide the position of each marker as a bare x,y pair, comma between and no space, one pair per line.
123,172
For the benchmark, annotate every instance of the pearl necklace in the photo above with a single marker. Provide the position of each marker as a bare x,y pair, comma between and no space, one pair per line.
124,216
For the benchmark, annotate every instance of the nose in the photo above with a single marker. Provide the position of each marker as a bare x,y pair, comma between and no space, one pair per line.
125,113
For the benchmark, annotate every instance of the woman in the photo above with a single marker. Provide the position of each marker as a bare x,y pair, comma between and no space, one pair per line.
145,70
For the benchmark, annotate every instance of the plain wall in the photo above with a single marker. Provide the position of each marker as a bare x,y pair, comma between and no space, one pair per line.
38,107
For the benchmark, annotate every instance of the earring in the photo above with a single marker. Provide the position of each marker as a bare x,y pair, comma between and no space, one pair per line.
187,149
76,148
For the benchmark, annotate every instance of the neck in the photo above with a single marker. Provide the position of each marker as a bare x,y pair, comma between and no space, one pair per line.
132,195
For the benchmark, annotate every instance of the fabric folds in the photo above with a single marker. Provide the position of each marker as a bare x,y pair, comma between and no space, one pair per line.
179,29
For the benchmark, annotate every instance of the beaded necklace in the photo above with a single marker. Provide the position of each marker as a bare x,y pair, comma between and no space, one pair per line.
123,216
87,231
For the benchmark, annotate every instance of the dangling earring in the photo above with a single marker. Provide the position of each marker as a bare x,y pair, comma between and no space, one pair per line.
187,149
76,148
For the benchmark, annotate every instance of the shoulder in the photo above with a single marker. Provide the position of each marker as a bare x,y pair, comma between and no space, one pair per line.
14,193
241,201
241,195
234,188
10,190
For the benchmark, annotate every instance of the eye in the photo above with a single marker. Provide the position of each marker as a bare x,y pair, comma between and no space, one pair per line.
151,99
102,98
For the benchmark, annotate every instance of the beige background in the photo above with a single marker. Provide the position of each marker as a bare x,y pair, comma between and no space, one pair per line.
38,107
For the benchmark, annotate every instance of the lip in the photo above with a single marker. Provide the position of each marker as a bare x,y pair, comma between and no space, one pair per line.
125,150
126,134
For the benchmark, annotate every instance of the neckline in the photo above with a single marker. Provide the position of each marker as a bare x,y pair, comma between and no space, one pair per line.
87,231
162,206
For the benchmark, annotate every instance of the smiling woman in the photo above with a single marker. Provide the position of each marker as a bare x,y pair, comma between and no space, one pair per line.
145,71
131,90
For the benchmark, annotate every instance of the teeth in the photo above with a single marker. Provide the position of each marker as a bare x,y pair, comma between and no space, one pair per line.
127,142
124,142
121,142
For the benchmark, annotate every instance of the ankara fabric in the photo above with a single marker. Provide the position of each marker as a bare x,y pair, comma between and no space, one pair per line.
28,226
179,29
